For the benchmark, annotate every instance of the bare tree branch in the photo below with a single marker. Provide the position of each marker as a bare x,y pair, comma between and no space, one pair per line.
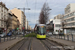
44,14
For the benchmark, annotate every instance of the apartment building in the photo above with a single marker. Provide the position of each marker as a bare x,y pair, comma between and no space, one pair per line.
57,23
29,27
14,24
70,8
21,16
58,16
69,19
26,24
69,22
3,15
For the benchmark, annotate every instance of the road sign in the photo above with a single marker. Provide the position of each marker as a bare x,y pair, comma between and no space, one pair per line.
23,28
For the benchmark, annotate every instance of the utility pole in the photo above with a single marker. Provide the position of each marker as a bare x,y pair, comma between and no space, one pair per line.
24,19
27,25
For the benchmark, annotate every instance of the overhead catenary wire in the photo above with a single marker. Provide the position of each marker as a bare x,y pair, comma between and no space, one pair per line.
27,3
35,8
27,6
45,1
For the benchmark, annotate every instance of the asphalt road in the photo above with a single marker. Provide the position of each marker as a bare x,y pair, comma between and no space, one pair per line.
32,43
37,44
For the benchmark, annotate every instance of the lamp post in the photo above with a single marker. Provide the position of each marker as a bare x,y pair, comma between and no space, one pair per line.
24,19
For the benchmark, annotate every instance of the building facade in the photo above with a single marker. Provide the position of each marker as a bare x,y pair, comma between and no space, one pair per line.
69,22
3,15
57,26
26,24
21,16
58,16
69,19
70,8
14,24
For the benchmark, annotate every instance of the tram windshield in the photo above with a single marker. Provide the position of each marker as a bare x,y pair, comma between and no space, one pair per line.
42,30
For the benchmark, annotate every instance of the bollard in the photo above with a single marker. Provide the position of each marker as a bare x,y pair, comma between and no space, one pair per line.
61,36
72,37
10,37
15,36
55,36
64,37
0,38
4,38
68,37
7,38
58,36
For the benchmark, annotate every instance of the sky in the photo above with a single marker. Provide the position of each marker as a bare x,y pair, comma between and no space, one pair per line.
35,6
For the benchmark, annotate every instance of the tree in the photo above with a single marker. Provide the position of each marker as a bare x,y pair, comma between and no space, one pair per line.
44,14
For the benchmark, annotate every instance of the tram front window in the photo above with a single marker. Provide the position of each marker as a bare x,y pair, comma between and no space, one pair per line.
42,30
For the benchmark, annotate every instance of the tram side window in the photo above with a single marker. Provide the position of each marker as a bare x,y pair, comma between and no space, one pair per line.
44,29
37,30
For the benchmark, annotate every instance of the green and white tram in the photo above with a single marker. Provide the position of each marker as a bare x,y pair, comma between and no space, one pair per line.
41,31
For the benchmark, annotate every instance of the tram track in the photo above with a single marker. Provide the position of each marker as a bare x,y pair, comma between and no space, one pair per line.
29,46
45,45
23,45
48,44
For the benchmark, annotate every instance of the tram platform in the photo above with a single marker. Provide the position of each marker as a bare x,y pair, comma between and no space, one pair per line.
63,42
8,44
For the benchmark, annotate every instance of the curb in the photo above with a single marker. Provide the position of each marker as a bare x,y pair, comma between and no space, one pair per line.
8,48
59,43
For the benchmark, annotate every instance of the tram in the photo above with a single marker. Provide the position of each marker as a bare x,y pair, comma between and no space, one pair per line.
41,31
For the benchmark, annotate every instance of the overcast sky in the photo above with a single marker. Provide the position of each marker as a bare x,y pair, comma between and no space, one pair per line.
32,15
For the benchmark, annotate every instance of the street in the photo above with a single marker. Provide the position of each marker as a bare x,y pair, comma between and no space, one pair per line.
37,24
32,43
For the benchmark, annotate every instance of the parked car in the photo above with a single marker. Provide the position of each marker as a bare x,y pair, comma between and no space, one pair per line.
3,34
9,34
49,33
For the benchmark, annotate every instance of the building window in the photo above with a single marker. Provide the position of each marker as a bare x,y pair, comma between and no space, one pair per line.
58,25
74,13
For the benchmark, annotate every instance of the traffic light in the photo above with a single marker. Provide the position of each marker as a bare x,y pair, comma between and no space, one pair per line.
23,28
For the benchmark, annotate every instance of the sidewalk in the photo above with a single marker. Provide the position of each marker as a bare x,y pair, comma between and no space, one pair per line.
63,42
9,44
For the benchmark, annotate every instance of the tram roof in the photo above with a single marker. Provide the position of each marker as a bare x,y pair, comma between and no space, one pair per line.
41,25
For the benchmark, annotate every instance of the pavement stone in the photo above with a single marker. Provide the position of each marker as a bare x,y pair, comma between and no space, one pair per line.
63,42
8,44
